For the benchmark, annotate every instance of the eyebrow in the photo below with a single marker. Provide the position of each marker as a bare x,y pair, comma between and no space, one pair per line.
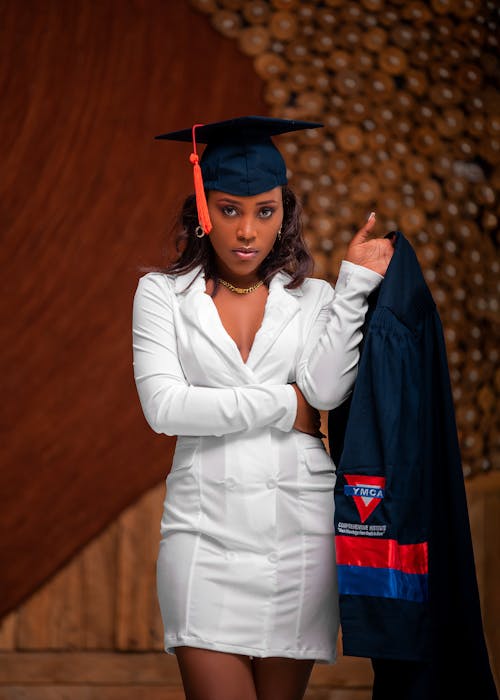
234,201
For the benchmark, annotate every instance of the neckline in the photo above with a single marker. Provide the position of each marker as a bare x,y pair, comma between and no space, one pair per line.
223,328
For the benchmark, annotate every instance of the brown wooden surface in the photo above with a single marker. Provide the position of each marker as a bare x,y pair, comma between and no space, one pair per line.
149,668
137,613
135,692
409,96
483,497
50,658
87,197
97,692
85,86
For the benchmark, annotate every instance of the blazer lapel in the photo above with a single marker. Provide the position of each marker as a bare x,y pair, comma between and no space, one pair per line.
200,315
281,306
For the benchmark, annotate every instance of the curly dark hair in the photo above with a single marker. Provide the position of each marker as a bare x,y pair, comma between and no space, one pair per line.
289,253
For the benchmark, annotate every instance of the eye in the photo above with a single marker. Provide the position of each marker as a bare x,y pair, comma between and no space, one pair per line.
228,210
266,212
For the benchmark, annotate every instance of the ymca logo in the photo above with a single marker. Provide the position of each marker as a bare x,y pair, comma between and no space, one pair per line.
366,491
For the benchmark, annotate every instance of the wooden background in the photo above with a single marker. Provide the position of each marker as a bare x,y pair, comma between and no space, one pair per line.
86,201
94,631
408,94
87,198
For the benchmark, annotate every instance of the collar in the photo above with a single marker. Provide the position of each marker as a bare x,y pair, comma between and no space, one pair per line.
182,282
195,279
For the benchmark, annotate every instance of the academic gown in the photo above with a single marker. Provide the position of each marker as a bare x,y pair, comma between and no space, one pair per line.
408,591
246,560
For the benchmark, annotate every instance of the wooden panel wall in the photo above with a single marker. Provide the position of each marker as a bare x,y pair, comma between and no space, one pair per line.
94,631
77,634
86,198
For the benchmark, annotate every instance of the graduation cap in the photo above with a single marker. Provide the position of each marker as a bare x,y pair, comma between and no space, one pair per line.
240,157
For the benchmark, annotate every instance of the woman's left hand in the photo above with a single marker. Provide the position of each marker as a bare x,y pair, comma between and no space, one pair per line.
373,253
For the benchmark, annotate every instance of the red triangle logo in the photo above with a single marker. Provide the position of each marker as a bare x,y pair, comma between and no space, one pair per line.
366,491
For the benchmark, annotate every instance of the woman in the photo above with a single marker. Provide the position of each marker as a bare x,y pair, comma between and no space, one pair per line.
235,350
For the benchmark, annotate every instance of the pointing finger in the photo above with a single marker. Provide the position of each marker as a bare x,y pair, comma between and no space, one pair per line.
364,231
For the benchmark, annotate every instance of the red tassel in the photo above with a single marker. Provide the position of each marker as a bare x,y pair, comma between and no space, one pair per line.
199,189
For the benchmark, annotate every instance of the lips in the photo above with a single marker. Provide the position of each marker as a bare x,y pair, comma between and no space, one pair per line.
245,253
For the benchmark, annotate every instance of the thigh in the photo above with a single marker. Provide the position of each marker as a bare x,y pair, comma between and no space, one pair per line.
215,675
278,678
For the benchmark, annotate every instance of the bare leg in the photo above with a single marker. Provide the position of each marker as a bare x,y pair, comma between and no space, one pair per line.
215,675
277,678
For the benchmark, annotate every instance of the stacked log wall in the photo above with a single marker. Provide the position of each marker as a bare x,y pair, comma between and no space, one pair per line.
408,93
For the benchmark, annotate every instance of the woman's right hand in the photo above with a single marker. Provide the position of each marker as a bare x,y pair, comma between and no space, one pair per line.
308,419
373,253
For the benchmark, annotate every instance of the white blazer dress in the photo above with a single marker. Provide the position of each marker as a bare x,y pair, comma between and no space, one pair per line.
246,560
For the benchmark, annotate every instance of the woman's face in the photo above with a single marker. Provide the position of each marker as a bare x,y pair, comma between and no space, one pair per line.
244,231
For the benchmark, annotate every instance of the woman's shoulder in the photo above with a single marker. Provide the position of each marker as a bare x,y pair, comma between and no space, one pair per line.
155,280
170,281
310,290
157,276
316,283
316,287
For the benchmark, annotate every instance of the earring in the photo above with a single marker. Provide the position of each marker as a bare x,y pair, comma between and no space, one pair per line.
199,232
279,233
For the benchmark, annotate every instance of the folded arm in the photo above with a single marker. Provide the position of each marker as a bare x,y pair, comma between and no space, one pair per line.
170,405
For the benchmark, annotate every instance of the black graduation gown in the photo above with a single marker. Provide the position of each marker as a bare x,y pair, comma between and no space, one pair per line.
408,590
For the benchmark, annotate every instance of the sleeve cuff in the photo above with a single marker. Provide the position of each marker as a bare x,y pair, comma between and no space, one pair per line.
290,397
367,280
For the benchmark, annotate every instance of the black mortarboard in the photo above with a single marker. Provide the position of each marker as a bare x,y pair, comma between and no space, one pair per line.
240,157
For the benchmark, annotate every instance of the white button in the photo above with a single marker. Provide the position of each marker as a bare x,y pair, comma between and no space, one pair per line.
230,483
231,555
273,557
271,483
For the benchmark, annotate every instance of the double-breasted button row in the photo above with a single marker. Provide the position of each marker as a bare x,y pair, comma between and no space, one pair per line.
273,557
230,483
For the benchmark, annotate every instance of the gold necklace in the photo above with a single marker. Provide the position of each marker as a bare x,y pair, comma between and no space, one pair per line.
241,290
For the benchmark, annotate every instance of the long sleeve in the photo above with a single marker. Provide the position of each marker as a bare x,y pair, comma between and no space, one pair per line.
328,365
173,407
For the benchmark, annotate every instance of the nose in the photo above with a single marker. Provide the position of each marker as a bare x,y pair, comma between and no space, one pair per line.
246,229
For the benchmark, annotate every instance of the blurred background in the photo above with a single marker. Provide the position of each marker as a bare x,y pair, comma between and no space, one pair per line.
409,95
